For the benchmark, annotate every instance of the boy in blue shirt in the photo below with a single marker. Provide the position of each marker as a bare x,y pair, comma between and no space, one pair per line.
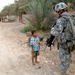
35,44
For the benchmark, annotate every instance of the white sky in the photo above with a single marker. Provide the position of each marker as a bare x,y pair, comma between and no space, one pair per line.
4,3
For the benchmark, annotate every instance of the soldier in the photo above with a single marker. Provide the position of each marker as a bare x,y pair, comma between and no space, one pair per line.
63,31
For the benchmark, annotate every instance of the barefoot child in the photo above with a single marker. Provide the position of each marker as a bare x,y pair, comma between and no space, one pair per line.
35,44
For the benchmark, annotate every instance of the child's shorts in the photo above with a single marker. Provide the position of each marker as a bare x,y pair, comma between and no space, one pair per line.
35,53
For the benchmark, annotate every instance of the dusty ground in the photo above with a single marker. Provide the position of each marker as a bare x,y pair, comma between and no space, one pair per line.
15,57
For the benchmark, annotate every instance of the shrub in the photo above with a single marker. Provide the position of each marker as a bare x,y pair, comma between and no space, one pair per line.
27,29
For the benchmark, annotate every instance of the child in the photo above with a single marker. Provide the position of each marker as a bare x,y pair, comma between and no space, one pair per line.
35,44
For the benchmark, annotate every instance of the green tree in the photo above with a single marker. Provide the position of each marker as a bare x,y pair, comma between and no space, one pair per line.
40,11
7,10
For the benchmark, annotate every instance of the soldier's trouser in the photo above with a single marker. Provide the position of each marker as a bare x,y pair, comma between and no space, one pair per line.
64,55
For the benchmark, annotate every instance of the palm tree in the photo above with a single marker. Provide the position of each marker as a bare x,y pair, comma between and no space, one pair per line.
40,11
7,10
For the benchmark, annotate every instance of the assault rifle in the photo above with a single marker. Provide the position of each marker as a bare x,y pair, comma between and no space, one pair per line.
50,40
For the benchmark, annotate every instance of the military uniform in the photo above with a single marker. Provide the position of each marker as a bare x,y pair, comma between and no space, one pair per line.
63,31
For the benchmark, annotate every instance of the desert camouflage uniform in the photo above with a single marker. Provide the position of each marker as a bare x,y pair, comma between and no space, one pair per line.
63,31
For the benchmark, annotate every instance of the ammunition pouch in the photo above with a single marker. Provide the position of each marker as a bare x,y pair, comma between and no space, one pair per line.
71,45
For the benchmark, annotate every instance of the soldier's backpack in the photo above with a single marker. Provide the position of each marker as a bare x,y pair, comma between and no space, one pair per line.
73,19
71,45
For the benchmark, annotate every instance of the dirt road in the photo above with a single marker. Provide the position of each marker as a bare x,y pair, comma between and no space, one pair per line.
15,57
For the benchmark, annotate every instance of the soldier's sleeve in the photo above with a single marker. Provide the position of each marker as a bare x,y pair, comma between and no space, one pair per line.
57,29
